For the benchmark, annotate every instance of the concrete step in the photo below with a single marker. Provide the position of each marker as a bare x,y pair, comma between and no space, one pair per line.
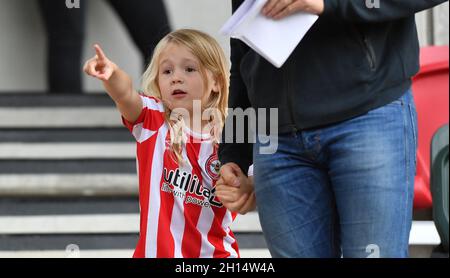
96,224
78,184
59,117
119,253
44,110
422,232
36,99
65,135
54,206
64,166
99,241
67,151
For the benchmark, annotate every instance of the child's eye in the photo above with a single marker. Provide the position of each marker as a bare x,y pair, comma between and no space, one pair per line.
167,71
190,69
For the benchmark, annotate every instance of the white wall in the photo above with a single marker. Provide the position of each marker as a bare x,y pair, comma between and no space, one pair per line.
432,26
21,46
440,21
22,37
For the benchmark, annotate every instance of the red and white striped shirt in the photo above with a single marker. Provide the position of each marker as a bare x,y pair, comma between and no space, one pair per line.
180,217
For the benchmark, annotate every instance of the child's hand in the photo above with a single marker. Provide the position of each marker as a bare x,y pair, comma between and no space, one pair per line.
99,66
235,190
117,83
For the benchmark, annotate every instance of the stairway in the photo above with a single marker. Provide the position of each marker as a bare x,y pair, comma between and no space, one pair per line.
68,185
68,180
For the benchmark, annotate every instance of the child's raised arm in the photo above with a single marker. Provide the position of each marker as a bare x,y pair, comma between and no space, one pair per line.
117,83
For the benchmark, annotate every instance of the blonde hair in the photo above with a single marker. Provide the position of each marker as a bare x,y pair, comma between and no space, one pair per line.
212,58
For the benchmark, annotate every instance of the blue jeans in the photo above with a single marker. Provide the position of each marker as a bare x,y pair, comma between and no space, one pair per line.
341,190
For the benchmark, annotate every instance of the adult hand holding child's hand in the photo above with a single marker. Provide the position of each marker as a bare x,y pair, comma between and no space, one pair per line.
235,190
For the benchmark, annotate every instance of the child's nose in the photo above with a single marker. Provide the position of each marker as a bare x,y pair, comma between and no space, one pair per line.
177,80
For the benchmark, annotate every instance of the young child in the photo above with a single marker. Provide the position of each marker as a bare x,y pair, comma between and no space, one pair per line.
177,164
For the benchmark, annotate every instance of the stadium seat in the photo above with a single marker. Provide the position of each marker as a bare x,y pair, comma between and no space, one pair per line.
440,183
431,95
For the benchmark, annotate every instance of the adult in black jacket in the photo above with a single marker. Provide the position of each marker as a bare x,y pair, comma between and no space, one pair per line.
342,177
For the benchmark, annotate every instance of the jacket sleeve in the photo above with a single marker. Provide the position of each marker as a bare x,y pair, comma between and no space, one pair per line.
239,153
376,10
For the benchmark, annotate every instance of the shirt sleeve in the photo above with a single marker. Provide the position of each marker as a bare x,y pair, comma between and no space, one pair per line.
250,171
376,10
149,121
239,153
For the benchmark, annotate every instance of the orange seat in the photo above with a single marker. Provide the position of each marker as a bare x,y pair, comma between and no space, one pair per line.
431,95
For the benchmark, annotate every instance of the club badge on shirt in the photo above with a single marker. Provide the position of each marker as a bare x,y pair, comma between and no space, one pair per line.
212,166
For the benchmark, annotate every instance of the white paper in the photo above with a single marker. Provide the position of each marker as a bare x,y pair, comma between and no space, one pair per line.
275,40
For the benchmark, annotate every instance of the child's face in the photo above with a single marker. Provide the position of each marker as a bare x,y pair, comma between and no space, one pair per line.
180,80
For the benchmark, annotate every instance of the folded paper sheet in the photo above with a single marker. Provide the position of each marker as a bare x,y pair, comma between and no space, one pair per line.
275,40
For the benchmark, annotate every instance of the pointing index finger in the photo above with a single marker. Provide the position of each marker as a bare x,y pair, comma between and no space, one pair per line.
100,54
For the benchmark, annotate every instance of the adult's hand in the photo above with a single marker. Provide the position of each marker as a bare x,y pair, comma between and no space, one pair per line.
231,174
235,190
278,9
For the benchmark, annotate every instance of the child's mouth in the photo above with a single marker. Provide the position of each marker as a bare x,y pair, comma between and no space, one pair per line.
178,93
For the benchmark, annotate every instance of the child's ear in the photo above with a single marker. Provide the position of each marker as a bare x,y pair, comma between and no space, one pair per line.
216,86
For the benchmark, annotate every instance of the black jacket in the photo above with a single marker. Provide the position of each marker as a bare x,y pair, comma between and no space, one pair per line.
352,60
